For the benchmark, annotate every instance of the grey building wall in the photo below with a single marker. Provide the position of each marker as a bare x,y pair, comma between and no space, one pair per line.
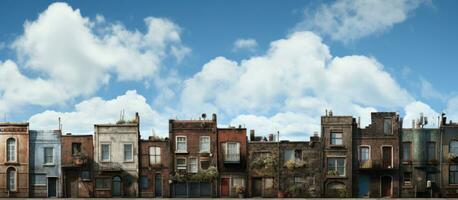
38,140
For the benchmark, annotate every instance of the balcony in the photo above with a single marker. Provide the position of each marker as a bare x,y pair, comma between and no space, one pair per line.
110,166
77,161
365,164
232,158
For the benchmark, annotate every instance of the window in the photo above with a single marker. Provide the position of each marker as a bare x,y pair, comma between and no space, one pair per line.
154,155
144,182
85,175
102,183
268,183
232,151
11,150
406,151
336,139
364,154
181,163
299,180
193,165
204,163
11,179
431,148
204,144
387,127
238,182
182,145
454,147
453,174
48,155
128,154
38,179
336,165
105,152
407,178
289,154
76,148
298,155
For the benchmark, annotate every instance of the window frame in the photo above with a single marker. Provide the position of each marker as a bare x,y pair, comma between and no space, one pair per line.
142,186
403,150
157,157
409,182
14,154
8,178
105,180
455,171
434,158
390,128
336,168
109,152
190,165
185,164
201,150
450,146
131,152
46,156
185,143
331,138
80,148
226,151
360,152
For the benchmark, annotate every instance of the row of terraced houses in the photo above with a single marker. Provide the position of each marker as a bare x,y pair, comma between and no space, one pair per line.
200,159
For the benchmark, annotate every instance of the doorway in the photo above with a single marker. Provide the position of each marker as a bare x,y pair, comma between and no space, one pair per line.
116,190
257,187
158,185
225,187
386,186
363,185
387,159
52,187
71,184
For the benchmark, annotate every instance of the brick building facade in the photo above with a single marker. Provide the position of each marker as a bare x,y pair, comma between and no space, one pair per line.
77,166
154,167
449,159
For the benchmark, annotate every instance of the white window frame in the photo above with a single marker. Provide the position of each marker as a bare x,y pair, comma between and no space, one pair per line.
131,152
109,152
341,138
359,152
226,147
45,156
345,165
185,163
156,155
8,178
186,144
15,150
43,184
392,154
196,165
201,149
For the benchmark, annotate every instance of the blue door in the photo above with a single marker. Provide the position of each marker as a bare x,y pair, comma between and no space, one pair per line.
363,186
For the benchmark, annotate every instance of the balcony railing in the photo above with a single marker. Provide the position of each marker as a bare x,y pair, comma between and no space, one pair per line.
375,164
365,164
110,166
232,158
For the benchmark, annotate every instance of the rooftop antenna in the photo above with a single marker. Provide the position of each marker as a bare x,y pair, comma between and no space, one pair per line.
60,124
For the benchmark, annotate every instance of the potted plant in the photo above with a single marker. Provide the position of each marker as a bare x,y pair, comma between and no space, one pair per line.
295,190
78,159
240,190
290,164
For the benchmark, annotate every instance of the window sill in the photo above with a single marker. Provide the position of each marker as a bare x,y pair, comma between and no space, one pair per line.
128,161
336,176
105,161
86,180
181,151
49,165
102,189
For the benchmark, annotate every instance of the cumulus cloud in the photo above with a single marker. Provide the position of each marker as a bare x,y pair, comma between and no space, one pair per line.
413,111
77,55
298,77
349,20
245,44
100,111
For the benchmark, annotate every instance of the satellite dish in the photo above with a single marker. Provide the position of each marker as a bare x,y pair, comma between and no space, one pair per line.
204,116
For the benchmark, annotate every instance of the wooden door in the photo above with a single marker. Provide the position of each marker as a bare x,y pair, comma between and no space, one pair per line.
52,187
257,187
116,187
224,187
71,185
158,185
386,186
386,153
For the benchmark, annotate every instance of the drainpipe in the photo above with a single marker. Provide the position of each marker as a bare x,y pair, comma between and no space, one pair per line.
278,170
440,156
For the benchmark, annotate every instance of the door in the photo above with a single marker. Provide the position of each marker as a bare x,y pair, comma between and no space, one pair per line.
225,187
363,186
116,190
386,153
71,185
158,185
52,187
257,187
386,186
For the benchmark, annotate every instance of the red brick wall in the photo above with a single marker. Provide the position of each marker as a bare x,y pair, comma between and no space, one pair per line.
150,171
232,135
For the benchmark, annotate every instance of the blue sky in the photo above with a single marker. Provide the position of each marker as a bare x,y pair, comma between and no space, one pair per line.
263,64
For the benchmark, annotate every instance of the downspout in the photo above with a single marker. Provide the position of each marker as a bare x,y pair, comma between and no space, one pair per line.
279,166
440,156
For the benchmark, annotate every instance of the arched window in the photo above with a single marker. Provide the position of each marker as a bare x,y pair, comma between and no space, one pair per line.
11,150
11,179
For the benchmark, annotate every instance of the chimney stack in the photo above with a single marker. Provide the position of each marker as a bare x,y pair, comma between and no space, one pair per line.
252,135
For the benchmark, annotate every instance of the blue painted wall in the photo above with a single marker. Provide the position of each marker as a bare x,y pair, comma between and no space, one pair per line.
38,140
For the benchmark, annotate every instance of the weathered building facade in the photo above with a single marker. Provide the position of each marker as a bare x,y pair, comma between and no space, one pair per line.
45,163
300,171
154,167
193,146
376,157
232,162
14,160
77,153
449,159
116,165
420,153
337,134
263,166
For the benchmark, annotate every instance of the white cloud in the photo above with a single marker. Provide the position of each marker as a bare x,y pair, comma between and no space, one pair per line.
349,20
452,109
297,75
77,55
428,91
413,111
99,111
245,44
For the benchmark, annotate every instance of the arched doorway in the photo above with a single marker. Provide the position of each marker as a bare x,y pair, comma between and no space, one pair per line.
386,186
11,179
116,189
336,190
